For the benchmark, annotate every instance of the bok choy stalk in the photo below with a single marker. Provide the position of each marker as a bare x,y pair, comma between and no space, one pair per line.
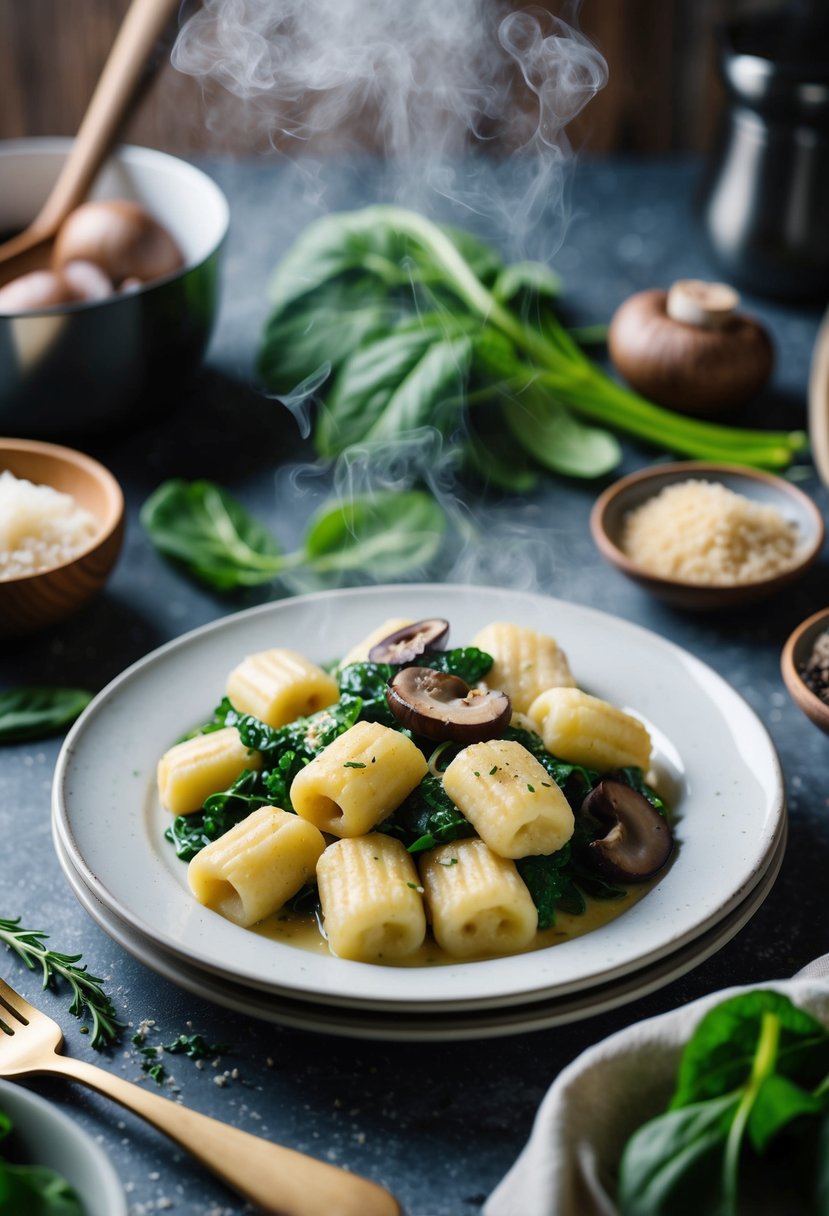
416,324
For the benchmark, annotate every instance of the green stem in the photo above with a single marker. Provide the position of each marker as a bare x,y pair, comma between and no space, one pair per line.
601,399
765,1058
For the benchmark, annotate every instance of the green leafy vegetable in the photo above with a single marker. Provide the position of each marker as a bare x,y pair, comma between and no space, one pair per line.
411,323
427,818
35,1190
468,662
34,712
201,525
369,681
88,996
752,1095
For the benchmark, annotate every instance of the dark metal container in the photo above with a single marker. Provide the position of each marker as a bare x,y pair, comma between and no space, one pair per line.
765,197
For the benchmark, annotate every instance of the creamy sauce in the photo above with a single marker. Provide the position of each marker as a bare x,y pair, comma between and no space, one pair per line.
304,932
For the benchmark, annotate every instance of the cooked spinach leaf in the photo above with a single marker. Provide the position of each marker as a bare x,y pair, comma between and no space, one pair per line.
467,662
427,818
369,681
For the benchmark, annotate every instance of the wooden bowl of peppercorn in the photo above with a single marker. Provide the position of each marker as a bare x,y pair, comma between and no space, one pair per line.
805,667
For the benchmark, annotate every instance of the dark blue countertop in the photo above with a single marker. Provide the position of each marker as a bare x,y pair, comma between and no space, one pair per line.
438,1123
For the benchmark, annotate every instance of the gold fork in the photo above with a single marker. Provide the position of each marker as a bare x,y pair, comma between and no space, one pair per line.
280,1181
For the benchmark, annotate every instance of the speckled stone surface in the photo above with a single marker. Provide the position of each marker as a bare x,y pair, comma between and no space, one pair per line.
438,1123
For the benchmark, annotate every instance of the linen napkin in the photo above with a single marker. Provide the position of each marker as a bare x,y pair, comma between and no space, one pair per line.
568,1165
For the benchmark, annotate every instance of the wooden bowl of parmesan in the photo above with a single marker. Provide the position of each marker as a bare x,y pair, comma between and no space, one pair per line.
707,536
61,528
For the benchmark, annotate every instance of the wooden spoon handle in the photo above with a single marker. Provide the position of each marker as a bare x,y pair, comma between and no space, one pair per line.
141,28
280,1181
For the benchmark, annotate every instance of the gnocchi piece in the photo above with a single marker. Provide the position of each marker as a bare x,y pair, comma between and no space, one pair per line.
278,686
359,779
526,662
190,771
583,729
251,871
371,899
476,901
509,798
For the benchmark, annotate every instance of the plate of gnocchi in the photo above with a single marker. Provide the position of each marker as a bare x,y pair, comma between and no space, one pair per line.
428,798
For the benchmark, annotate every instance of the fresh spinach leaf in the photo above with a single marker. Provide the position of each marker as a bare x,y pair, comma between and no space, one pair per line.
319,332
382,536
33,712
723,1047
410,271
752,1078
205,529
36,1191
557,439
200,525
673,1165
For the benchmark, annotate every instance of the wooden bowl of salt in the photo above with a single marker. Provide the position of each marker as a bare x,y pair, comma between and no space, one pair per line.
61,529
706,536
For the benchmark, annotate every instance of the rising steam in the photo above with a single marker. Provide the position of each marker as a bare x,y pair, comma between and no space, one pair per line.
432,85
420,80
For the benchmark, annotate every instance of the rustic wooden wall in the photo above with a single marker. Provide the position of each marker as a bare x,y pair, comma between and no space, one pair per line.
663,93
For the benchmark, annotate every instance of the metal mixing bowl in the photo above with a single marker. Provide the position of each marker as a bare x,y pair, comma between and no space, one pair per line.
84,367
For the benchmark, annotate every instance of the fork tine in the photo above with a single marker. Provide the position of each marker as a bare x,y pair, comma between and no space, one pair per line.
14,1004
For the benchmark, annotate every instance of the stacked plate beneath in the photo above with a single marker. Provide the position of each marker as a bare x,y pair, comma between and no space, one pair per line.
714,763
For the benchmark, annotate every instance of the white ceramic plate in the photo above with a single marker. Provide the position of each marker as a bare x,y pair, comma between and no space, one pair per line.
403,1026
714,757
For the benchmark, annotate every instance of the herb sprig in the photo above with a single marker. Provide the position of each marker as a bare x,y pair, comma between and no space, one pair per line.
89,1000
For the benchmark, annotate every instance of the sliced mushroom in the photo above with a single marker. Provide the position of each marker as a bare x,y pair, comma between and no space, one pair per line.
639,841
443,707
409,643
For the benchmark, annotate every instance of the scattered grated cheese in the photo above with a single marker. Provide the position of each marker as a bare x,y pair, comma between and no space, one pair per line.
702,532
39,527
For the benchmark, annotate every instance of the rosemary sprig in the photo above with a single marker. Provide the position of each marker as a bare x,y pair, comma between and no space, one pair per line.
88,996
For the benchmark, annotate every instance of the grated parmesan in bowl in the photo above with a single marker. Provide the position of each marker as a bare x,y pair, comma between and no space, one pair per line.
702,532
40,527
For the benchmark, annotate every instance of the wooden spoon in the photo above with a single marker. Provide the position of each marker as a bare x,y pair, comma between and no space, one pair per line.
116,89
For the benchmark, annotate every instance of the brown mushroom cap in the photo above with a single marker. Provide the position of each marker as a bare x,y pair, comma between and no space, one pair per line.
121,237
409,643
443,707
639,841
696,369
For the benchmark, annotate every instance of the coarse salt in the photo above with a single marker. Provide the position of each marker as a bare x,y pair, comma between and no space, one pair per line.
702,532
40,527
